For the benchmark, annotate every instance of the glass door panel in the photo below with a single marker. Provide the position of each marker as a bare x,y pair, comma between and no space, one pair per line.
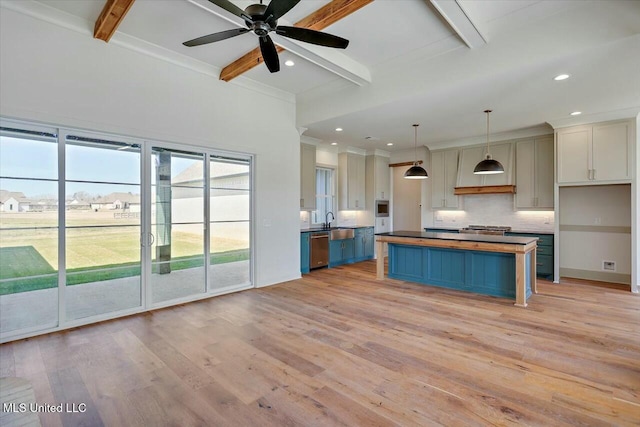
28,230
103,227
230,231
177,224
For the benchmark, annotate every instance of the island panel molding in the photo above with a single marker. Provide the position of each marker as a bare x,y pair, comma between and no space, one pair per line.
503,266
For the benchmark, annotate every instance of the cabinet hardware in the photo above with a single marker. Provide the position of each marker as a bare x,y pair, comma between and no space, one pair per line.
301,203
539,263
594,174
540,249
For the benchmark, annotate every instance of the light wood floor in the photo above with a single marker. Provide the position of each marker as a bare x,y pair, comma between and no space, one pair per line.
340,348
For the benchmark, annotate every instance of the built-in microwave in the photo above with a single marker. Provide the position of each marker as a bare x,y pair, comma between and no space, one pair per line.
382,208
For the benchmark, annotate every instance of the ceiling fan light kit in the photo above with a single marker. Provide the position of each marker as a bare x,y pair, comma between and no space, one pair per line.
416,171
488,166
262,20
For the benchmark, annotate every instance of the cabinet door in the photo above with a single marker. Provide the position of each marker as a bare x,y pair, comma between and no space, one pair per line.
611,152
438,179
335,252
369,243
355,181
525,174
450,178
543,173
359,243
348,250
307,177
469,158
504,154
574,148
382,178
304,252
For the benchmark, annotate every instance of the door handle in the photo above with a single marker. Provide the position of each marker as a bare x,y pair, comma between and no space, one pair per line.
152,238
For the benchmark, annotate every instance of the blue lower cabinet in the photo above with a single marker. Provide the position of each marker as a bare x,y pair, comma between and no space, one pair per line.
341,252
369,243
364,242
544,253
487,273
304,252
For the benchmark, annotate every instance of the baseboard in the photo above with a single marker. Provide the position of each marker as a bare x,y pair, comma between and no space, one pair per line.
600,276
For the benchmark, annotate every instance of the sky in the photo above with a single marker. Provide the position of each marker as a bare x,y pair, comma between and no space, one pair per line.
28,158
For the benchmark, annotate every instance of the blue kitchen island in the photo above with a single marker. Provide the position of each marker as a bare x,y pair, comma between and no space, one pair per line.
503,266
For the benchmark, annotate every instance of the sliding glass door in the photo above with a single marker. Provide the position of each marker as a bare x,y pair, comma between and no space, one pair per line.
28,229
96,226
103,227
230,231
177,224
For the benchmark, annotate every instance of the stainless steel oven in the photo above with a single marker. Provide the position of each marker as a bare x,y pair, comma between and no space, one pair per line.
382,208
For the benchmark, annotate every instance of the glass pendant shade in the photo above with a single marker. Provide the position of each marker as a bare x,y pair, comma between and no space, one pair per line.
488,166
416,171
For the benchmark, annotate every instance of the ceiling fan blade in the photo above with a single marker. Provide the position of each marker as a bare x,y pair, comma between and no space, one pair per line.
277,8
312,36
216,37
269,54
230,7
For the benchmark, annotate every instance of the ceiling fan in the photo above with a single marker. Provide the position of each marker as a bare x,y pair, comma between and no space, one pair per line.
263,19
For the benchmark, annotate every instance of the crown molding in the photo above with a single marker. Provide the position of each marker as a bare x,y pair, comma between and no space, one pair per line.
496,137
583,119
62,19
304,139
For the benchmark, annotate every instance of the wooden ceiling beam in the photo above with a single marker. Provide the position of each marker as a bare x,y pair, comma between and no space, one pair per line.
318,20
112,15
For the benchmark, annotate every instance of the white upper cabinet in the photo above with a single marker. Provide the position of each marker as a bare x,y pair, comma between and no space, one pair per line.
443,175
534,173
378,182
382,178
307,177
594,154
470,157
351,181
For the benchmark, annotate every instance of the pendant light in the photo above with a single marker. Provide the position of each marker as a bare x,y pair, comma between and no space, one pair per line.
488,166
415,171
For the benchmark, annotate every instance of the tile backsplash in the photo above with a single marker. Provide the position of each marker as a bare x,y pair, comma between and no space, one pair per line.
342,219
494,209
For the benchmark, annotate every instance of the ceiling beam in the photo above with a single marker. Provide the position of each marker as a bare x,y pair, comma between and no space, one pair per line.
112,15
318,20
455,15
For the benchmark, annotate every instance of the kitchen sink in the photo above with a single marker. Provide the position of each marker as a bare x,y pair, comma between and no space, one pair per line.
341,233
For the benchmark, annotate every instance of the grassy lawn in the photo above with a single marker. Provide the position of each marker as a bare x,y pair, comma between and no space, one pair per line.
94,254
79,276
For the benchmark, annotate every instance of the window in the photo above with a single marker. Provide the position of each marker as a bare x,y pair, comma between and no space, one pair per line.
325,199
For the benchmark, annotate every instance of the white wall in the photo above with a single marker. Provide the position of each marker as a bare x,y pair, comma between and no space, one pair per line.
65,77
425,190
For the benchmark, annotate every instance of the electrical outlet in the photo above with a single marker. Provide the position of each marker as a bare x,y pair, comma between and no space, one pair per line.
546,220
609,265
438,217
597,221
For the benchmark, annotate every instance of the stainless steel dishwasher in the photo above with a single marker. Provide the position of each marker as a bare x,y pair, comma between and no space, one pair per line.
319,256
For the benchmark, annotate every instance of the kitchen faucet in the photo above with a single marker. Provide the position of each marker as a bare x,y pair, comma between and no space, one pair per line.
327,224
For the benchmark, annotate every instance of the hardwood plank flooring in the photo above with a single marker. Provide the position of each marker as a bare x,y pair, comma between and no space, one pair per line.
339,347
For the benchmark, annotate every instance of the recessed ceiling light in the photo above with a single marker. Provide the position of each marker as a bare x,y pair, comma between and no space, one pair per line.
338,129
289,63
334,143
389,144
561,77
576,113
